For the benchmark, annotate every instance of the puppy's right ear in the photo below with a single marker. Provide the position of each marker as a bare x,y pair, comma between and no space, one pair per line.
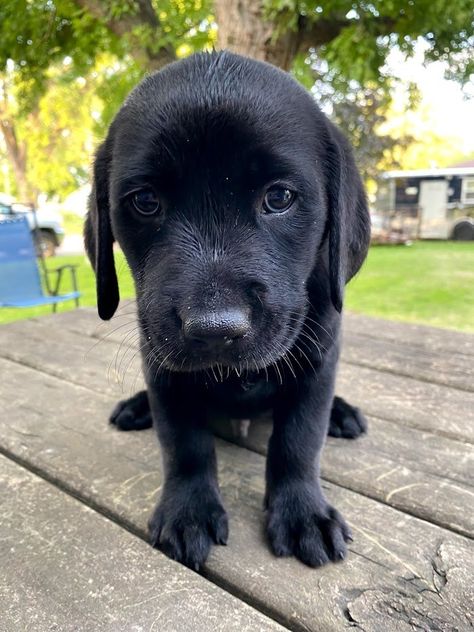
348,217
99,239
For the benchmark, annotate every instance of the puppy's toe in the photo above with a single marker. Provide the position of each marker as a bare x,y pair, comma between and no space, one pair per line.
185,532
133,413
315,533
336,533
346,421
279,535
310,547
218,526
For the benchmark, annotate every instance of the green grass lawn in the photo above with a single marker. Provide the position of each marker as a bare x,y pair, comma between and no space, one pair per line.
428,282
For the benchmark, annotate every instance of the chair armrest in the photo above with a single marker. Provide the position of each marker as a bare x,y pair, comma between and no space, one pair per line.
63,267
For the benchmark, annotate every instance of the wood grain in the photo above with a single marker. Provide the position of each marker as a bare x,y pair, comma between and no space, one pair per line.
57,428
66,567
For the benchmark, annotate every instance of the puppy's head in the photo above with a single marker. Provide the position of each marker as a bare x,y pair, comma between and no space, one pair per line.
228,191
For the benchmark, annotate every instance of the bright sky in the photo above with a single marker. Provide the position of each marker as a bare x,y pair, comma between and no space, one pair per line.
451,114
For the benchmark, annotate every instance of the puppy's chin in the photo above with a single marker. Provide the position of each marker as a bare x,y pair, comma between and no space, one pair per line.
187,360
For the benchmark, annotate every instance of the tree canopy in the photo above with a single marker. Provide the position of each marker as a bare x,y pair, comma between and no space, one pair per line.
338,47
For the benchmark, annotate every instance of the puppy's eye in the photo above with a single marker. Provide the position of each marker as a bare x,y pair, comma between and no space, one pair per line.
146,202
278,199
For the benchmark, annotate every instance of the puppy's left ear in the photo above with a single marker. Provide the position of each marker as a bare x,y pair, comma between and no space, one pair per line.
99,239
348,215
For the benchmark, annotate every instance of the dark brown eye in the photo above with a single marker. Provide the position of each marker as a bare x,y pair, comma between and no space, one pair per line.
146,202
278,199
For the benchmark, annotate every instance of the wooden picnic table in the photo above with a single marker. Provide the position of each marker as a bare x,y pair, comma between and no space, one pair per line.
76,493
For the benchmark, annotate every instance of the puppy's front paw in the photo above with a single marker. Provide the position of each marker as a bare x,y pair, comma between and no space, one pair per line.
346,421
186,523
303,525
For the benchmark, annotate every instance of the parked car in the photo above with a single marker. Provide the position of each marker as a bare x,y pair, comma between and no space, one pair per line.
45,225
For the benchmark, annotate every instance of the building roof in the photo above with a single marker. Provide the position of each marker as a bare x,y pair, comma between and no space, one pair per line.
420,173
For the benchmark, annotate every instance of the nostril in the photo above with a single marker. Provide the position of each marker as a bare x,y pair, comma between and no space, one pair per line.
177,319
257,288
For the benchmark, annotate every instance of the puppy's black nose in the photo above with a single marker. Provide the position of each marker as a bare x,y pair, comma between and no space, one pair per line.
216,329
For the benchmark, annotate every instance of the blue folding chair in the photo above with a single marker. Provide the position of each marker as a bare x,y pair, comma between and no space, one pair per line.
20,280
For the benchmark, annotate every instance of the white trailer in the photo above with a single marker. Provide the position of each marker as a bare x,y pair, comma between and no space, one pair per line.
428,204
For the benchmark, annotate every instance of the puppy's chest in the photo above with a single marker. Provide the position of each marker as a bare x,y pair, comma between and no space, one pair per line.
243,397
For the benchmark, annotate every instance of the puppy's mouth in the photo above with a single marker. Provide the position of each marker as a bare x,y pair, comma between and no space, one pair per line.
254,351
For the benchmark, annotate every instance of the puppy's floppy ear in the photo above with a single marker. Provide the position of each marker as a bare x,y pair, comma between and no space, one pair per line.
99,239
348,215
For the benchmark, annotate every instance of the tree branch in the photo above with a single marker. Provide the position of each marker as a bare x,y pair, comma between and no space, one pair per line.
313,34
126,23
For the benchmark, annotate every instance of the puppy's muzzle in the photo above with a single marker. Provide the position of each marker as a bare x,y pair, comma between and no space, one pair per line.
215,330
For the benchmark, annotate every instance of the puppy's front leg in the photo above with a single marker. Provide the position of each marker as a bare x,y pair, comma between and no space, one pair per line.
300,521
189,515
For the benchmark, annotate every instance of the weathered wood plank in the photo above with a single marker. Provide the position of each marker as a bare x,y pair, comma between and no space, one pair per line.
428,407
435,338
66,567
424,474
59,429
86,322
454,613
420,450
422,363
100,365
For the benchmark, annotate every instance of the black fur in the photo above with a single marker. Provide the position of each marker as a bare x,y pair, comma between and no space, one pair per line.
209,135
134,414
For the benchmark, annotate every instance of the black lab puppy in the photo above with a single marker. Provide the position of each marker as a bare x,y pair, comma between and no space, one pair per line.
242,216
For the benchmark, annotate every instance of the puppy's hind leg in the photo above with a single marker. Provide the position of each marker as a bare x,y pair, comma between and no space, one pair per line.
346,421
133,413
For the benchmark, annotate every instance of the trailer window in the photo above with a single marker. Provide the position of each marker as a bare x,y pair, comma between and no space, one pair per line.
468,191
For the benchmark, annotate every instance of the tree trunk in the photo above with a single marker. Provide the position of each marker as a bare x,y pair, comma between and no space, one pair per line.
17,157
243,29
